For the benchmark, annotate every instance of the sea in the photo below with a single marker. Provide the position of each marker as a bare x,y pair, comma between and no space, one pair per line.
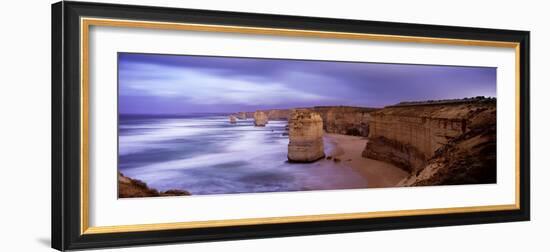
205,154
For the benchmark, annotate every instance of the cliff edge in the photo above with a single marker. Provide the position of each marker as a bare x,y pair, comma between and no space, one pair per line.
437,142
467,159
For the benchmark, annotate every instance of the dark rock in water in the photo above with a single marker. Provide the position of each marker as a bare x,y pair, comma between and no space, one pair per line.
285,134
336,160
329,157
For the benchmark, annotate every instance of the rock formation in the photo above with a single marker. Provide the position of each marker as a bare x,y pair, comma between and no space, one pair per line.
132,188
272,114
467,159
345,120
241,115
437,142
249,114
232,119
305,136
278,114
260,118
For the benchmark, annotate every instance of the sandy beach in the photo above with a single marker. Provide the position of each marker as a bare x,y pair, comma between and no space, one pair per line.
347,151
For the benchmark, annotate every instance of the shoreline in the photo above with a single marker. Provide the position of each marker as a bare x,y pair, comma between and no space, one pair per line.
348,150
133,188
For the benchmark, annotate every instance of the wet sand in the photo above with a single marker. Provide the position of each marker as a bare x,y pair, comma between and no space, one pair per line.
348,149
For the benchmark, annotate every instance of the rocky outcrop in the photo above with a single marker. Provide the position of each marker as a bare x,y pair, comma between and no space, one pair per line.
249,114
232,119
345,120
467,159
241,115
278,114
418,136
305,136
260,119
133,188
404,156
272,114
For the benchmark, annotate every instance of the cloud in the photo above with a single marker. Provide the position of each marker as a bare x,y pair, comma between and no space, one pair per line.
151,83
201,87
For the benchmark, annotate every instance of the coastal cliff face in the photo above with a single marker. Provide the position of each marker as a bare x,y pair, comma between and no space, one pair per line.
305,136
133,188
260,119
232,119
336,119
272,114
436,142
467,159
278,114
241,115
345,120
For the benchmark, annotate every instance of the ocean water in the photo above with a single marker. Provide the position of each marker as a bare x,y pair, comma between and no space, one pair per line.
205,154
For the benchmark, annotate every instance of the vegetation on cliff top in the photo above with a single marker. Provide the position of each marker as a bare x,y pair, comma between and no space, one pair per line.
476,99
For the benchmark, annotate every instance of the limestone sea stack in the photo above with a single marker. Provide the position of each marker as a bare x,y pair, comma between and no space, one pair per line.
260,119
232,119
305,136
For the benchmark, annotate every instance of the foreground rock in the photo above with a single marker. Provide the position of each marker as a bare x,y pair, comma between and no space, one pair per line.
260,119
450,142
305,136
133,188
232,119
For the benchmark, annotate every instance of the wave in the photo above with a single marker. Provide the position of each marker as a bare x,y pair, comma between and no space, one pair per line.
208,155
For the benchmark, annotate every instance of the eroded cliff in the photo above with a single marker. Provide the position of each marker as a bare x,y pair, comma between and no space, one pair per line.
343,120
467,159
437,142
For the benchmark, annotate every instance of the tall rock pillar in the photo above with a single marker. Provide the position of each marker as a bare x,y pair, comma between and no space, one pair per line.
260,118
305,136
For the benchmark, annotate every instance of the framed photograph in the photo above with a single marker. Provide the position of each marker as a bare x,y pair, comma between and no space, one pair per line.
181,125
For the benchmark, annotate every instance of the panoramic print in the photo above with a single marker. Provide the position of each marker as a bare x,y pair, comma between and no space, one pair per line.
203,125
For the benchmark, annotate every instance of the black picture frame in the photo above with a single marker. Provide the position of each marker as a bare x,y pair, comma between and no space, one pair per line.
66,125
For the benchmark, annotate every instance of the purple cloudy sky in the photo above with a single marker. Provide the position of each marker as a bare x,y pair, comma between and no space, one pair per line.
174,84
